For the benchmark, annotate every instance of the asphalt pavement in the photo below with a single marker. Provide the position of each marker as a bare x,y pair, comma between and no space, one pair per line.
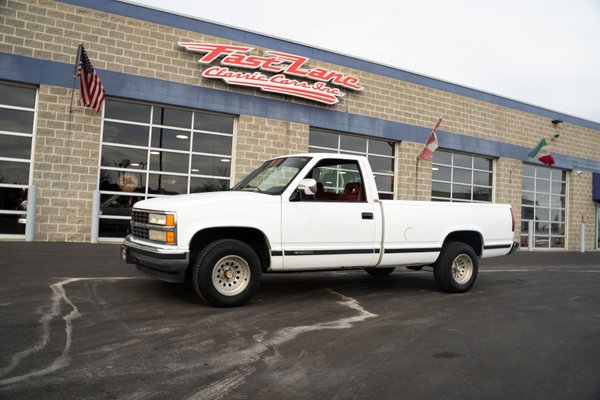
76,323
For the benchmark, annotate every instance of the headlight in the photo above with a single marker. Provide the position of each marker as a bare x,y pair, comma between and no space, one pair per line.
162,236
161,219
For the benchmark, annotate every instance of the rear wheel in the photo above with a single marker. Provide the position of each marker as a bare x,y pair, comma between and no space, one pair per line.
226,273
380,272
455,270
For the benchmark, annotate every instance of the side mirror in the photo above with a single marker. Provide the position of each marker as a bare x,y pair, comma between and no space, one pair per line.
308,187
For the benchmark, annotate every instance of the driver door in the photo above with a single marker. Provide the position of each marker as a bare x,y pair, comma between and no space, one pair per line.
336,228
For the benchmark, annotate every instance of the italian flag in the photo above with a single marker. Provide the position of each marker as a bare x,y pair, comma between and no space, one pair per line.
542,153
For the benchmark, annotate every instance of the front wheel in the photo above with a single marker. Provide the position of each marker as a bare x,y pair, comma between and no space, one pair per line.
226,273
456,268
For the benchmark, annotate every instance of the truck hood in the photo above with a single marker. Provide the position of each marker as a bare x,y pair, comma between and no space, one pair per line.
185,201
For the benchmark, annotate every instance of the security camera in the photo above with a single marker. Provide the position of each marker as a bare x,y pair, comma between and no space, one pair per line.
579,172
556,135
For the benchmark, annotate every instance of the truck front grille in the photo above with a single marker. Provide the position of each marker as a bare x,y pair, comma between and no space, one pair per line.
140,217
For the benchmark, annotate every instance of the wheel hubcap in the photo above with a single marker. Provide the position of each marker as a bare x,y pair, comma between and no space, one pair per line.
462,268
231,275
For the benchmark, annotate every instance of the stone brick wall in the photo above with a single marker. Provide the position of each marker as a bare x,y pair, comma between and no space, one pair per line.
413,180
65,165
258,139
578,205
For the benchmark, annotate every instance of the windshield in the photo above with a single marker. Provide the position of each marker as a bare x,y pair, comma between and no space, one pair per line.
273,176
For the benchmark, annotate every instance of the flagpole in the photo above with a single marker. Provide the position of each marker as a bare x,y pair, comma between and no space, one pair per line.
417,177
77,62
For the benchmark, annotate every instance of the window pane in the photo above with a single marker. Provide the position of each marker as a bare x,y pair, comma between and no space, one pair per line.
353,143
482,178
216,144
13,199
440,189
208,185
170,139
15,146
123,157
542,214
482,163
558,175
542,172
527,198
213,122
169,162
542,241
527,212
323,139
558,201
558,229
115,109
462,160
442,157
14,172
9,225
117,181
117,228
381,164
461,192
542,200
384,183
214,166
116,204
542,227
557,215
462,175
16,121
528,184
381,147
441,173
482,193
17,96
167,184
557,242
125,134
528,170
172,117
542,185
559,188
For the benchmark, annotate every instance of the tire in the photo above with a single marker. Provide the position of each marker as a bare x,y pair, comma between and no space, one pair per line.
456,268
226,273
380,272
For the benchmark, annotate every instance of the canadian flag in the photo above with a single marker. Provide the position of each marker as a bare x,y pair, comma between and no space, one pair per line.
432,143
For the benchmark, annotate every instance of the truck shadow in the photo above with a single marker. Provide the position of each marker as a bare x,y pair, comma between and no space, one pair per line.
282,287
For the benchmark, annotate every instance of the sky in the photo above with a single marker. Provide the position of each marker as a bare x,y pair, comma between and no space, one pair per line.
541,52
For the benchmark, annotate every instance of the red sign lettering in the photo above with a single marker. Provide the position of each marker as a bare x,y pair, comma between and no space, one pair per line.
282,64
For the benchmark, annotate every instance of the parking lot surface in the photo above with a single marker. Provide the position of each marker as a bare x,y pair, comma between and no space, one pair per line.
76,323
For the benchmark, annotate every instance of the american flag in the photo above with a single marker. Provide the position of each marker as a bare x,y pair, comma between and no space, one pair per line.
92,90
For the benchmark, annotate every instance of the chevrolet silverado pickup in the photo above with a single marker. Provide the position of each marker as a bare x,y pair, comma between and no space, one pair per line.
309,212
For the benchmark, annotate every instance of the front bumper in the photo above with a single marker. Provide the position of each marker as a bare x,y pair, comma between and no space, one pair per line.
168,265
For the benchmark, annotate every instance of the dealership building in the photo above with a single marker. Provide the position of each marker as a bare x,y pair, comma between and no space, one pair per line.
193,106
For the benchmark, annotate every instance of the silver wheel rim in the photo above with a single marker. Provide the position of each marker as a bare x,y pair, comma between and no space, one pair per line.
231,275
462,269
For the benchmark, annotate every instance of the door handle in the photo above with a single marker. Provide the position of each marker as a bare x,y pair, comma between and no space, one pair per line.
367,215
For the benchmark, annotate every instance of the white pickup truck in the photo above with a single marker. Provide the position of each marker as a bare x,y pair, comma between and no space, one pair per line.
309,212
